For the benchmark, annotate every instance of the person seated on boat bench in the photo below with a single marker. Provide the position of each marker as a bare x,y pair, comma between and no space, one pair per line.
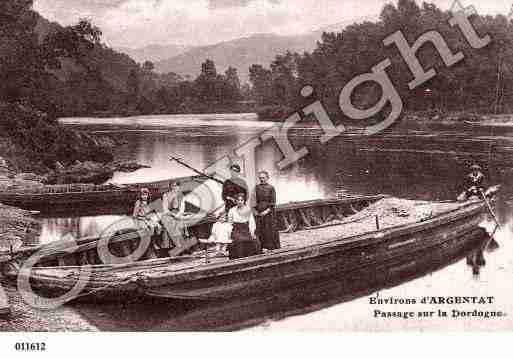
176,233
474,182
144,214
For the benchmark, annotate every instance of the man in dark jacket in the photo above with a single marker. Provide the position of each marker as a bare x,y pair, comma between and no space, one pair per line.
232,187
474,184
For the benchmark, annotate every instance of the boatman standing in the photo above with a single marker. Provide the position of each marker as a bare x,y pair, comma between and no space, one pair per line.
474,184
232,187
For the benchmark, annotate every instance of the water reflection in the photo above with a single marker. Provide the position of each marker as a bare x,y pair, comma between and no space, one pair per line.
78,227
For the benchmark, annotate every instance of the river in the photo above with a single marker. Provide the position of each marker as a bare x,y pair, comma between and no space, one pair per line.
337,167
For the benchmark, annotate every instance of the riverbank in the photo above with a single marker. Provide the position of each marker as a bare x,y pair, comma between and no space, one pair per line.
17,228
280,113
24,318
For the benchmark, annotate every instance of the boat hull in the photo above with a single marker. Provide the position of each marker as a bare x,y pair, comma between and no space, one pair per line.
321,262
272,272
52,199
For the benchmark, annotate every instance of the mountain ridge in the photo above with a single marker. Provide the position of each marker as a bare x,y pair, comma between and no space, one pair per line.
241,53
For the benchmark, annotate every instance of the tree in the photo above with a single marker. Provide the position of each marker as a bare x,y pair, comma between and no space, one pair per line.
75,42
207,82
148,66
132,84
261,79
233,88
233,78
20,66
208,69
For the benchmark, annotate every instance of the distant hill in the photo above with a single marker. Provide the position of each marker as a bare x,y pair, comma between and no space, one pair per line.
154,53
240,53
244,52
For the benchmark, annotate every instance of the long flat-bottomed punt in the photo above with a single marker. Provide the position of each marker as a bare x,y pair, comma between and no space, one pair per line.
320,239
54,197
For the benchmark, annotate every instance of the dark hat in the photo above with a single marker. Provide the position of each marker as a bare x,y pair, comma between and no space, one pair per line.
235,168
475,167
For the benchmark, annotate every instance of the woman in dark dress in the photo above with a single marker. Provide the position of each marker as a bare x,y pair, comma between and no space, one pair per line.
242,220
266,227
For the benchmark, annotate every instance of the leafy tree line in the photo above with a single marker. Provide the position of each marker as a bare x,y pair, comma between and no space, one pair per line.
48,71
27,83
481,82
170,93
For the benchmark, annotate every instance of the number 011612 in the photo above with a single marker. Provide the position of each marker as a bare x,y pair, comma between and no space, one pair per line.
30,347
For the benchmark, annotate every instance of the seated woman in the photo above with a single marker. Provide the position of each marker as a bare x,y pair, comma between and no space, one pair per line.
144,215
239,227
242,219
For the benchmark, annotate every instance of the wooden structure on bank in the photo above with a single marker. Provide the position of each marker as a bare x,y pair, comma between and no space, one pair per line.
72,196
320,239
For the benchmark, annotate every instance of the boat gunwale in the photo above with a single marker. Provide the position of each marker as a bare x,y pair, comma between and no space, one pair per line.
280,256
63,245
123,188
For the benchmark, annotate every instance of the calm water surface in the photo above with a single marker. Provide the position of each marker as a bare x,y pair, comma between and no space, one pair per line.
335,168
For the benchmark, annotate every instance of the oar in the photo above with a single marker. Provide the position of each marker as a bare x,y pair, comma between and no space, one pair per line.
179,161
498,226
492,241
490,208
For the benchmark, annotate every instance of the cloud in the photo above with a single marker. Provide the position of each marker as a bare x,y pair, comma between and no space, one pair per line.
135,23
220,4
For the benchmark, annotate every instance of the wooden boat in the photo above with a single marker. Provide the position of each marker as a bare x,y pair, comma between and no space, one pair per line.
63,197
320,239
239,313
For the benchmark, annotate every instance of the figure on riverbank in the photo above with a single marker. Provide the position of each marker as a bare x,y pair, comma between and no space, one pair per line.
474,184
143,214
232,187
267,230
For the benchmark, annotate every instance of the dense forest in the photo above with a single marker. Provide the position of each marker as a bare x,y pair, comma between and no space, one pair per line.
482,82
48,71
68,71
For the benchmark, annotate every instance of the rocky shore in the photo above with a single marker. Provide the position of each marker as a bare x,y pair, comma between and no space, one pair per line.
79,172
89,172
24,318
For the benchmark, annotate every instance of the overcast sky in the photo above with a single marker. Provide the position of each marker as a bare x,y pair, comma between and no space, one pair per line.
135,23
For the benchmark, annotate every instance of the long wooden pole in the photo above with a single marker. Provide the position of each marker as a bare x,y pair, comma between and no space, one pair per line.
491,238
177,160
490,208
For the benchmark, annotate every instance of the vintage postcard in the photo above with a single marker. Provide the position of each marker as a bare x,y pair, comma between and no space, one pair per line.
255,165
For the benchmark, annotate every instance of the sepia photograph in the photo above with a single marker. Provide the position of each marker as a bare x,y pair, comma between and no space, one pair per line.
255,166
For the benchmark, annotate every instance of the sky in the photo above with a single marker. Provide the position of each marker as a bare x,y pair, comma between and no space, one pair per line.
137,23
